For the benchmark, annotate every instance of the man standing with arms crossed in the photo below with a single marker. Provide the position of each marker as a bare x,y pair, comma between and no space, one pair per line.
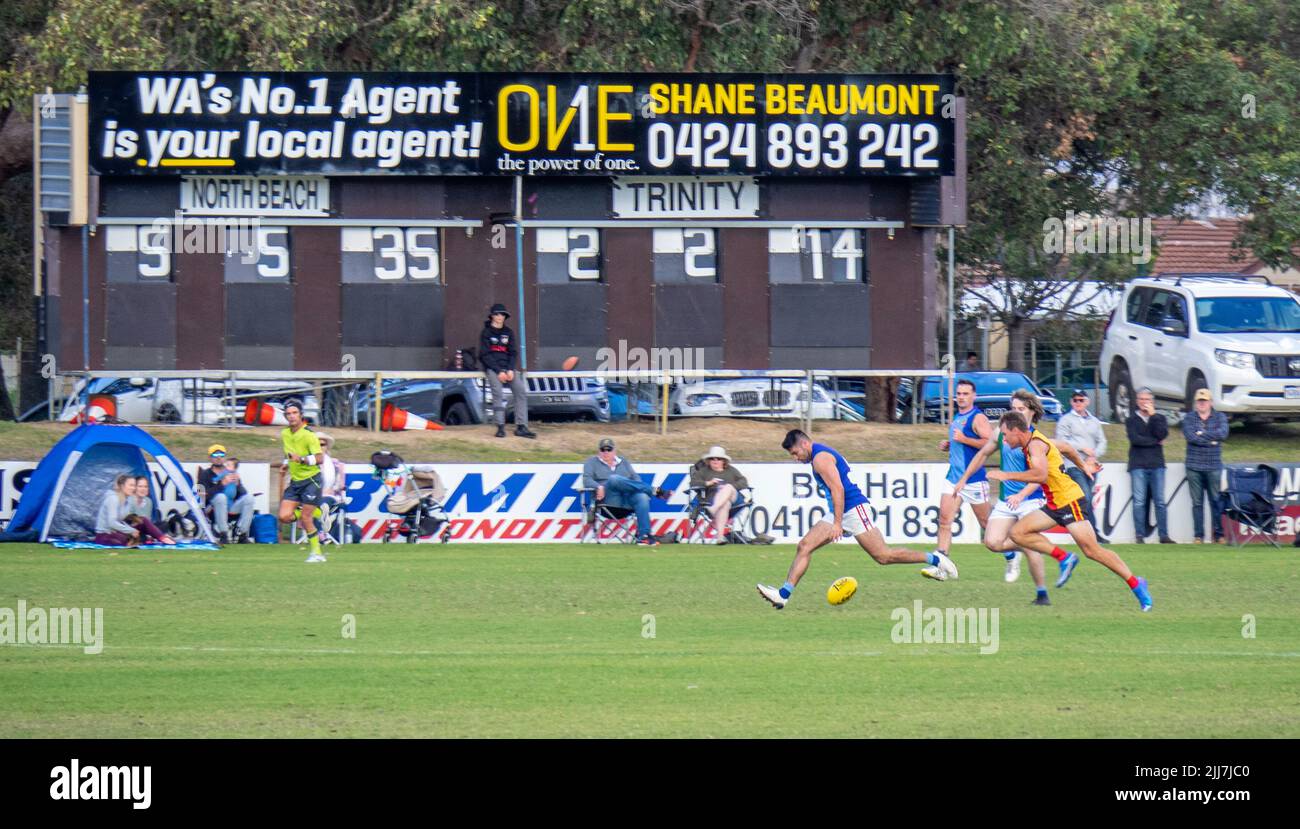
300,492
1205,430
1147,430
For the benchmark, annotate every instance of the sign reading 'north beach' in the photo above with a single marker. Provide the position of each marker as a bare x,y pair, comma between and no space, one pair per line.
250,196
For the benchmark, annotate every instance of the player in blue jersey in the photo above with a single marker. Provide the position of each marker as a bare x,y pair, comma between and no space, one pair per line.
849,511
970,431
1018,500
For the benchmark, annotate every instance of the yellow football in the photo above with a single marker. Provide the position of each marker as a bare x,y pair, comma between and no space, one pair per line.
842,590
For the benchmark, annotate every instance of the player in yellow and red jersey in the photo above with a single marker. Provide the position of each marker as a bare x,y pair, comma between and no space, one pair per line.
1064,503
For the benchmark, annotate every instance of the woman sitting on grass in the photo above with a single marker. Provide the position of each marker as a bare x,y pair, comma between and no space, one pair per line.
117,526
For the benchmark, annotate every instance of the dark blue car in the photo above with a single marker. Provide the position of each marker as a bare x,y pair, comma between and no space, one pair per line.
992,394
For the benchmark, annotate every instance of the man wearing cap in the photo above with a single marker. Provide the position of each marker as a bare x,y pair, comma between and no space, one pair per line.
617,485
226,496
1205,430
1083,431
498,353
721,482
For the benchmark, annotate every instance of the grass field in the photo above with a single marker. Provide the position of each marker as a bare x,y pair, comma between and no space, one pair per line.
549,641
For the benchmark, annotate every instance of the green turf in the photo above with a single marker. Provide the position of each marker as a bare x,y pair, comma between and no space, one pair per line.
546,641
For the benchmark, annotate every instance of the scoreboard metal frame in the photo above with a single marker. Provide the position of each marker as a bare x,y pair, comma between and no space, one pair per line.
559,195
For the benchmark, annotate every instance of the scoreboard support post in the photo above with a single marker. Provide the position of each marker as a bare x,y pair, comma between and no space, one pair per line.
952,310
520,307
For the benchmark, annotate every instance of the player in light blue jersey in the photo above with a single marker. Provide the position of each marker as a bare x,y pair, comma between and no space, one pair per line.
970,431
1018,499
848,511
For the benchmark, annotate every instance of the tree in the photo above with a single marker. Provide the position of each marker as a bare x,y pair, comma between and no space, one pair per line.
1126,108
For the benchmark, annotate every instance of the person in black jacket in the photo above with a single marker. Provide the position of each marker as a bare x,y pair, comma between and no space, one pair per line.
1147,430
498,354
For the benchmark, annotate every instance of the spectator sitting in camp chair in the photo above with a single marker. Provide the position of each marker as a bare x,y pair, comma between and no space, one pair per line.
334,488
719,484
226,495
616,483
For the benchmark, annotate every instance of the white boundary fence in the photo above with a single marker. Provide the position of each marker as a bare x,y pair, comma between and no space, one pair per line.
539,502
663,378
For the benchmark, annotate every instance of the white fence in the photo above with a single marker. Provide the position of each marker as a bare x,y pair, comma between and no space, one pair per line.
232,393
537,503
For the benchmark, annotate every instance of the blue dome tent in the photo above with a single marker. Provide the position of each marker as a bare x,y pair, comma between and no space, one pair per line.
62,497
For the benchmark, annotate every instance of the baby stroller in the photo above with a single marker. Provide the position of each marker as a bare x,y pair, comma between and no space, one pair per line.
414,499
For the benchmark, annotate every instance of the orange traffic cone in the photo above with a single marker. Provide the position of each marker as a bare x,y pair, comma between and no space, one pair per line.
261,413
97,408
397,420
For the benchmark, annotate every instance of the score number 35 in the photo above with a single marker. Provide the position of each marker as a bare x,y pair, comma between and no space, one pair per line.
403,252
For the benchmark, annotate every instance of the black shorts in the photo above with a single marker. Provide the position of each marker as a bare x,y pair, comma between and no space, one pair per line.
1067,514
306,491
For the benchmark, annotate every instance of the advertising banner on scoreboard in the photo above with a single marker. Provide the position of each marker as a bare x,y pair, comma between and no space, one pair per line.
493,503
534,124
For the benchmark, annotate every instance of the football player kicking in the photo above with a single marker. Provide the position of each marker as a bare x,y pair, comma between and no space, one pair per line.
1020,499
849,511
1063,507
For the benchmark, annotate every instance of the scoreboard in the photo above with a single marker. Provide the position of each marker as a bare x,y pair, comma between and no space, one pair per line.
294,220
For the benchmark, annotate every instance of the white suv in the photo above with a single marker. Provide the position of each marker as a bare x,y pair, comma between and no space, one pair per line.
1179,333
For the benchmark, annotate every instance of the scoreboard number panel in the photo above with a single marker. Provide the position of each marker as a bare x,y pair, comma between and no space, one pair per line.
266,261
138,253
817,256
685,255
569,255
391,255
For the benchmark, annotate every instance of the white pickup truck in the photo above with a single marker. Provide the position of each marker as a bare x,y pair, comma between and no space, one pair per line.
1237,337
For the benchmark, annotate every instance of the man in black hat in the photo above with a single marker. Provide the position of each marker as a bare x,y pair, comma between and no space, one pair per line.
497,353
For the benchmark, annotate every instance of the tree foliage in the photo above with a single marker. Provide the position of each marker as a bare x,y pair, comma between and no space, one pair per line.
1117,107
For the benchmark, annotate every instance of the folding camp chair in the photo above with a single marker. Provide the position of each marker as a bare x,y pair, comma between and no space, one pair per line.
332,522
737,529
606,523
1251,505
